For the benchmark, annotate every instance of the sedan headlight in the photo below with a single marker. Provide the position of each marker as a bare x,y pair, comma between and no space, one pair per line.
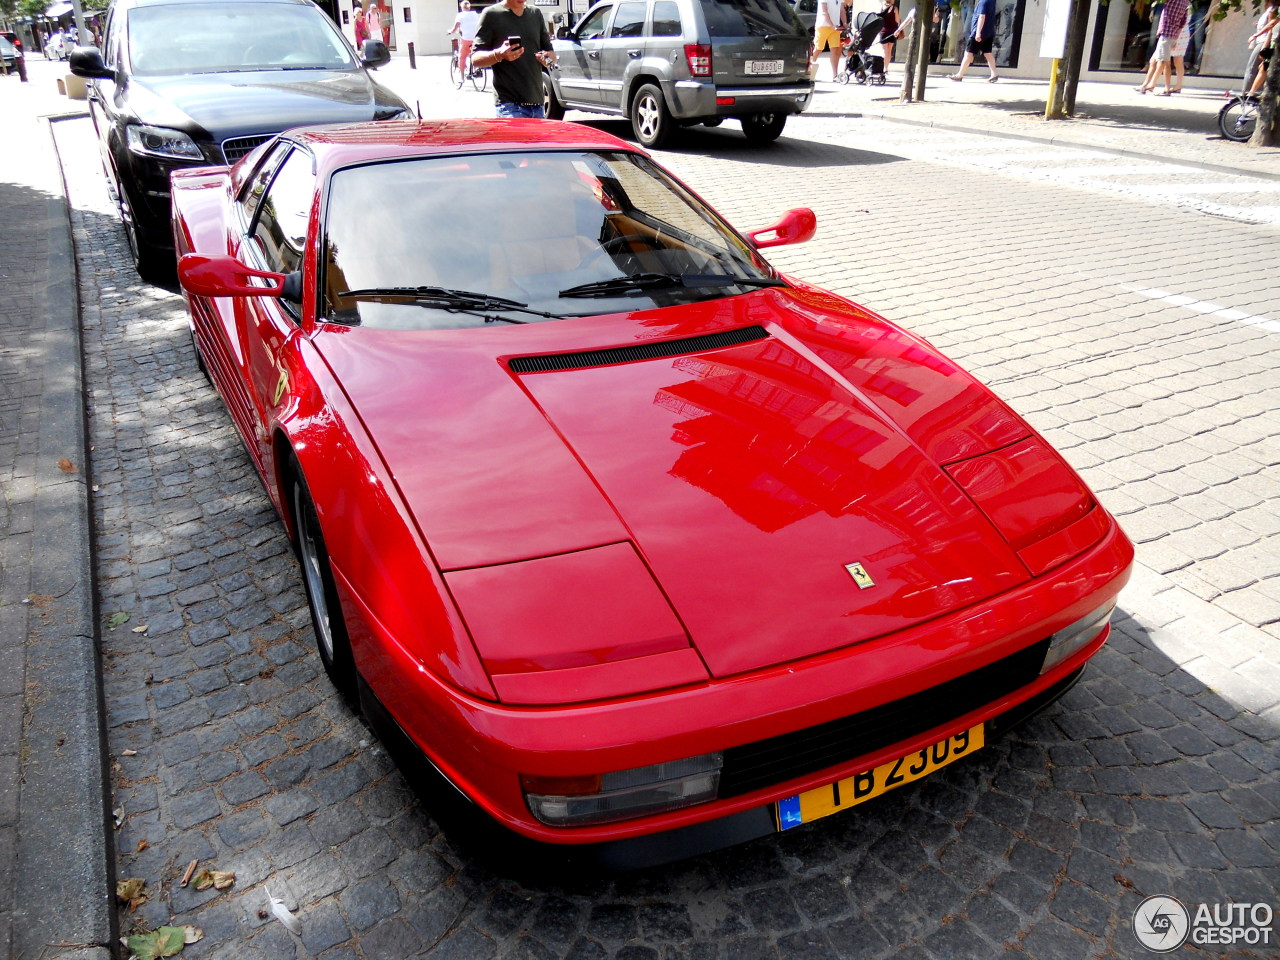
162,142
608,797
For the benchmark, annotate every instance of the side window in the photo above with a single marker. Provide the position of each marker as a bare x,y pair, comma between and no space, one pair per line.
630,20
666,19
257,185
592,28
285,212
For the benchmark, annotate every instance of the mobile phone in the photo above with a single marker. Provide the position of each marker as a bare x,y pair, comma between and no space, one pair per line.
514,42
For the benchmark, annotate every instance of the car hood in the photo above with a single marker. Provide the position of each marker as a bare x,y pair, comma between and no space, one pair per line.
238,104
748,476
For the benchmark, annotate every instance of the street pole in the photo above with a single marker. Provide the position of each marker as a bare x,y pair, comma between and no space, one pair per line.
1053,103
81,32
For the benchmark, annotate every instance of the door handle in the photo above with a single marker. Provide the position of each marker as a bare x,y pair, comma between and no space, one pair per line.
634,54
593,55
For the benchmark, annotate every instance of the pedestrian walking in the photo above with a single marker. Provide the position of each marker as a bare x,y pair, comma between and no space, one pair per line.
505,35
890,30
826,35
982,38
1173,17
1261,44
358,22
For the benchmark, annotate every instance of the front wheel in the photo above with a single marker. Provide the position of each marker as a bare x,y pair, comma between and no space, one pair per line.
455,71
763,127
650,119
1238,118
552,108
332,641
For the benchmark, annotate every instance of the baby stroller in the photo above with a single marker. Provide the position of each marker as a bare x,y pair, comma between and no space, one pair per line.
859,64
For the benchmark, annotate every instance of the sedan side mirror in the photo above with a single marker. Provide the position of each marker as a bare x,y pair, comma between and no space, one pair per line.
87,62
374,53
564,33
796,226
224,276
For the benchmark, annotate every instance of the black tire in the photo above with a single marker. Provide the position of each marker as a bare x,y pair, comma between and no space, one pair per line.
479,78
763,127
195,348
713,122
1238,118
455,72
332,642
552,108
650,119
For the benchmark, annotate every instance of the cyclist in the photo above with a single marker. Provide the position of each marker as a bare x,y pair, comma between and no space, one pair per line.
464,25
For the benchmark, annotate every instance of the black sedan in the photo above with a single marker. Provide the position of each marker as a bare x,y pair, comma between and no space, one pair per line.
181,83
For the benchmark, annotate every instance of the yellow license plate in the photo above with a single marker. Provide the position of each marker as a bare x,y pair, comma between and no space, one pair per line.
823,801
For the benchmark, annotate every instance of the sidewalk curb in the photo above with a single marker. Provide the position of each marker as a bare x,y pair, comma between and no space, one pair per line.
64,857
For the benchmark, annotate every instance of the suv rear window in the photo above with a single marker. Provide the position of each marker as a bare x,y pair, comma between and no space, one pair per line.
750,18
666,19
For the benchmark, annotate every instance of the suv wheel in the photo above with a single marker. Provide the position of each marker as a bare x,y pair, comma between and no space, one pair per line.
649,117
763,127
551,105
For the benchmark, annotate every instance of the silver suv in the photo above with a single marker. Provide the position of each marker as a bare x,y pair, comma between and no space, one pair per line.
668,63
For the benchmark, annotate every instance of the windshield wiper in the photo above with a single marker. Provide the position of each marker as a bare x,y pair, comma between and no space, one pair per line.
654,281
453,301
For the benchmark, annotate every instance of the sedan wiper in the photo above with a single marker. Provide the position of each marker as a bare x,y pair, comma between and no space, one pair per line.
654,281
454,301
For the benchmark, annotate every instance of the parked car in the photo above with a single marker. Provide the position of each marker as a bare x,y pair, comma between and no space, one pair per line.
807,11
669,63
12,62
645,547
12,38
181,83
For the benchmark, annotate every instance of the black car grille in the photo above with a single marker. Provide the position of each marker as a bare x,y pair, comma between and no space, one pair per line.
237,147
765,762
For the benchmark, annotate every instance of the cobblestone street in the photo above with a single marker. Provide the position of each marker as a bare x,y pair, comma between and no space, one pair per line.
1139,337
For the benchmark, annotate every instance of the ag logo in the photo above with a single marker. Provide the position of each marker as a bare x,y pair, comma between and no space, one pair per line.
1161,924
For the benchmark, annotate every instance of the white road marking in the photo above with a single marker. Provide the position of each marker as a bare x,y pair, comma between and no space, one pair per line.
1209,308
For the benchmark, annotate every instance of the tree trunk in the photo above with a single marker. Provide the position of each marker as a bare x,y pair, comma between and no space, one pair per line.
1079,26
1265,133
924,16
908,63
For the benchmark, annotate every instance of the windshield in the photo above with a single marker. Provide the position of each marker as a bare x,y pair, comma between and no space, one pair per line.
230,37
531,228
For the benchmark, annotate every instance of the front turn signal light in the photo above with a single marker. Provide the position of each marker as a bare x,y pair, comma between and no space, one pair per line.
623,794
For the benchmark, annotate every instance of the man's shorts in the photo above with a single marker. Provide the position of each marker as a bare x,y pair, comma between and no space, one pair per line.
1164,48
824,36
983,46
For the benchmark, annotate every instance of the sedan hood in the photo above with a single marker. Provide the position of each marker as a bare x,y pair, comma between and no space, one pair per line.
224,104
752,464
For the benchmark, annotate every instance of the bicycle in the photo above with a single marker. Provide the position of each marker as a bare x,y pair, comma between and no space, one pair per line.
479,78
1238,117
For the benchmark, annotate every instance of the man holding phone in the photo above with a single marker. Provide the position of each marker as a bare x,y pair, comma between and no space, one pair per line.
515,43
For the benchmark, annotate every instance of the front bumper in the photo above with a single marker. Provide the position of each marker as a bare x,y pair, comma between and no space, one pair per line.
482,748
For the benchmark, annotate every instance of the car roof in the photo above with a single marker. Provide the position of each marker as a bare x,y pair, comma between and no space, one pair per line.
337,145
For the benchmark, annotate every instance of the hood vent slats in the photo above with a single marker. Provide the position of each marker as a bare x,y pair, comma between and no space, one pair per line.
641,351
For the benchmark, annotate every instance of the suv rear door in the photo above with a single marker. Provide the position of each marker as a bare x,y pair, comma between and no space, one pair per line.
760,42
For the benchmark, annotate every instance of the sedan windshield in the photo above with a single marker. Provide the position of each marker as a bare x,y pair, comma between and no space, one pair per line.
555,234
230,37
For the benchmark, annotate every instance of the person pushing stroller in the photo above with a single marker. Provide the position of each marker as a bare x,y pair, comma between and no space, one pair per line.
861,64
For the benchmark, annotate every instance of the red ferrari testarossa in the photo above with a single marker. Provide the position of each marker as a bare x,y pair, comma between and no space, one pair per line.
643,546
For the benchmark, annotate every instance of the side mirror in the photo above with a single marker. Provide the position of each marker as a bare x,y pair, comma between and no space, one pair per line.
225,276
564,33
796,226
87,62
374,54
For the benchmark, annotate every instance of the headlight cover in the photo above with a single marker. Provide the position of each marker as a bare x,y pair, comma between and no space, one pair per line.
624,794
162,142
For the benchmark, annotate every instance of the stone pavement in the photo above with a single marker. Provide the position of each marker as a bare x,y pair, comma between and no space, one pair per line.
1152,776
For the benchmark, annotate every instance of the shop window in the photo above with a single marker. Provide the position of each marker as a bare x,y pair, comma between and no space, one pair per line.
952,27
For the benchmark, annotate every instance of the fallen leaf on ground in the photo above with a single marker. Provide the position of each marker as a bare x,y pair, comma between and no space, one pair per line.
163,942
218,879
128,753
117,618
66,466
141,629
192,934
131,891
117,815
142,845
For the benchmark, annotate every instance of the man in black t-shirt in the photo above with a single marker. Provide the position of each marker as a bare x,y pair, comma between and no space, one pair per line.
517,68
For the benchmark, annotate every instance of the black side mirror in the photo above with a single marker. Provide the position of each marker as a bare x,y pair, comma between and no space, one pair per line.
87,62
564,33
374,53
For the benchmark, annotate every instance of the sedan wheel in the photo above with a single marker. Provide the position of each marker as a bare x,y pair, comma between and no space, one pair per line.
649,117
322,596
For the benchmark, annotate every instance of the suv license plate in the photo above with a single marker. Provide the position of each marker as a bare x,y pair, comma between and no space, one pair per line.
823,801
762,68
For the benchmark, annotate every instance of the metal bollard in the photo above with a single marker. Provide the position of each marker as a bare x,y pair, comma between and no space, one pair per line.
413,60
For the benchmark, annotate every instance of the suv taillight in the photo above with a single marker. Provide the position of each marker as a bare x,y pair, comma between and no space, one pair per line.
699,57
